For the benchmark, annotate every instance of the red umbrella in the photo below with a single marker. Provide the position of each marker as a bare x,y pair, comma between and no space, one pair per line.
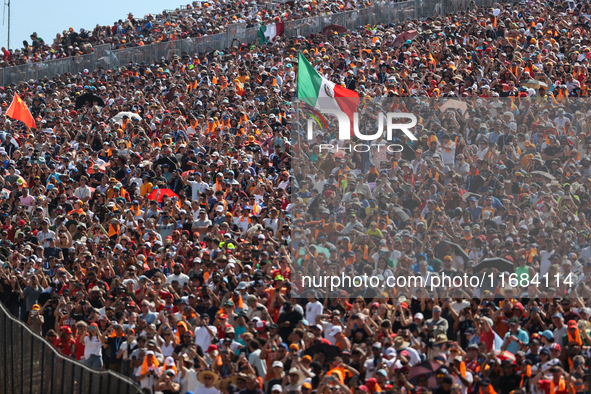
505,355
158,194
332,28
403,37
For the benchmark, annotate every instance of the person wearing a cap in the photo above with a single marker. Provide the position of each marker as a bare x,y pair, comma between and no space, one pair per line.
373,359
148,373
559,381
516,338
560,329
238,149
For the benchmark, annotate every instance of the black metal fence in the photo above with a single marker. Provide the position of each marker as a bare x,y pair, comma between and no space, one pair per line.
30,364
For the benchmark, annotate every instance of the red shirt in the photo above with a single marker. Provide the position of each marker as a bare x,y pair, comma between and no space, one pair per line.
286,274
222,330
66,347
80,346
489,339
546,386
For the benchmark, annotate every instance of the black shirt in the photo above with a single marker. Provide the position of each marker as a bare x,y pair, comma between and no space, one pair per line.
150,273
508,383
552,151
294,317
255,391
534,358
441,390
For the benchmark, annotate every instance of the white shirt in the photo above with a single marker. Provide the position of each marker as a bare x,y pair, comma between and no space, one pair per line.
197,189
458,306
545,257
271,223
83,192
190,383
242,225
211,390
284,184
149,381
92,346
469,378
167,350
415,358
203,338
255,360
42,236
448,152
370,368
313,309
585,254
126,347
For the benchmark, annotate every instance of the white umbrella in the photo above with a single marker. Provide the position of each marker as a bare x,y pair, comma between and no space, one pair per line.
455,105
119,117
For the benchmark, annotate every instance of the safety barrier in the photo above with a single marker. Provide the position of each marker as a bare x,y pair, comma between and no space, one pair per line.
30,364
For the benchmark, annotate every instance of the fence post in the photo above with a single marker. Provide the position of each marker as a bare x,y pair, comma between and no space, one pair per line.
52,372
11,356
22,356
32,339
42,366
4,355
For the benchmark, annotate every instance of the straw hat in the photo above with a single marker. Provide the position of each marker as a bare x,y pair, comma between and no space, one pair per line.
233,379
203,374
300,374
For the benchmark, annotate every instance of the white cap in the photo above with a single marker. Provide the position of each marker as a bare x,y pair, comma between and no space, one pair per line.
335,330
276,387
419,316
277,364
219,209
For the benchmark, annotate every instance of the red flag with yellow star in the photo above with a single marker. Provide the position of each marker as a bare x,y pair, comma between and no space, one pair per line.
18,110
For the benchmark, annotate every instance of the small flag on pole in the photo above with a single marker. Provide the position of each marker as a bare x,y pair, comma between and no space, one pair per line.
18,110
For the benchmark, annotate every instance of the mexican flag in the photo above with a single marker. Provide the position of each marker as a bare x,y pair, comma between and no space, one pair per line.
323,94
267,33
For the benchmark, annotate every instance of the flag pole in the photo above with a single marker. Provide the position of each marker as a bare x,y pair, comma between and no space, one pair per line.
8,43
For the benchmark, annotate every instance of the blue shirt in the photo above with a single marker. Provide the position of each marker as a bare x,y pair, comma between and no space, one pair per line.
513,347
150,317
474,212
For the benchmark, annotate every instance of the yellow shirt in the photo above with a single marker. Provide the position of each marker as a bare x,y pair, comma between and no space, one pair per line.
146,188
377,232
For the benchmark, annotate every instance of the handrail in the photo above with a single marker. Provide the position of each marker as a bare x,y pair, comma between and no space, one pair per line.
30,364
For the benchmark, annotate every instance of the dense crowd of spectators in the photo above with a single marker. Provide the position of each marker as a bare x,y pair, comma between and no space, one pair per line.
159,220
199,19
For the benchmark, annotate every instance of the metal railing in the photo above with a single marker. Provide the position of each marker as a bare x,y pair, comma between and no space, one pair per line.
382,11
29,364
